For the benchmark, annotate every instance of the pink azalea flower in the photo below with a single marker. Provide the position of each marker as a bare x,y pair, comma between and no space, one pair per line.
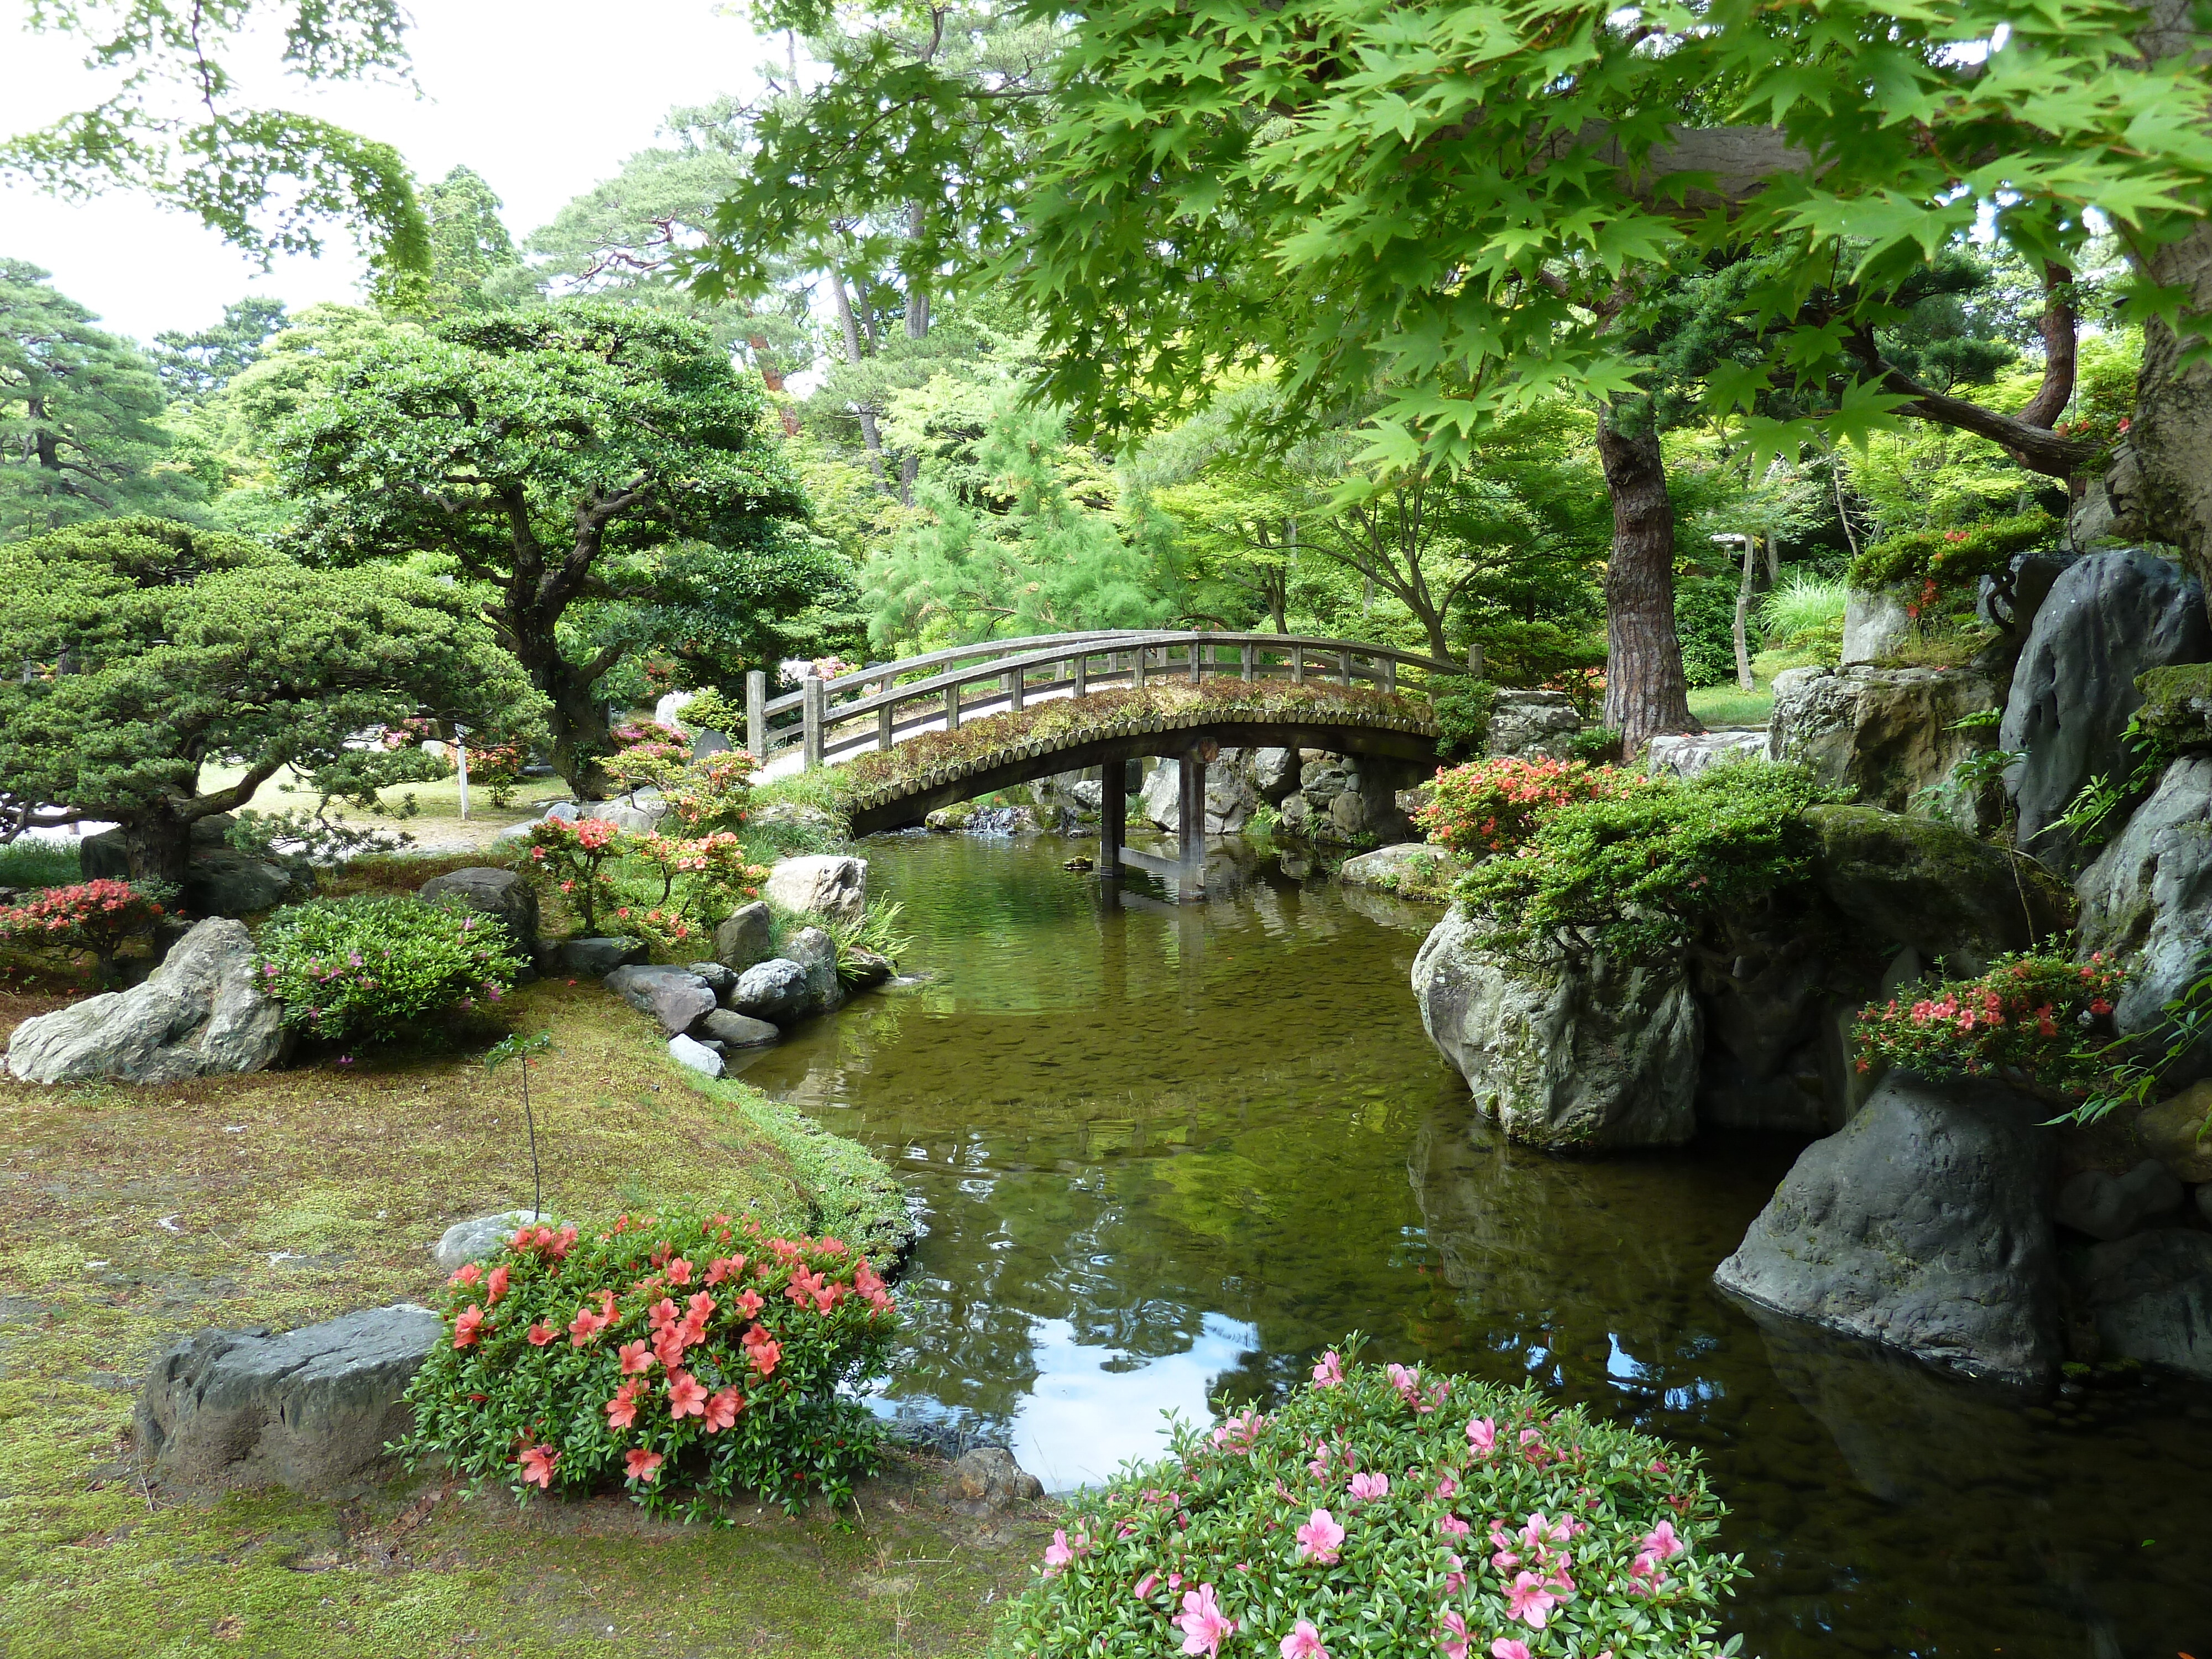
1364,1486
1527,1600
1452,1526
1482,1435
1447,1489
1455,1575
1147,1584
538,1464
1058,1553
1321,1538
1662,1543
1329,1371
1303,1642
1203,1625
1455,1637
1505,1647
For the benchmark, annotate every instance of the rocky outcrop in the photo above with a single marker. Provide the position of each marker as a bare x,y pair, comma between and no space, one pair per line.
2111,1206
1684,755
595,958
1529,724
2149,1298
1231,797
1885,734
1413,868
830,885
478,1239
2011,602
219,879
502,895
1923,1225
200,1013
2109,618
1910,881
1876,626
1583,1058
312,1409
986,1480
747,936
815,953
676,997
2147,899
774,990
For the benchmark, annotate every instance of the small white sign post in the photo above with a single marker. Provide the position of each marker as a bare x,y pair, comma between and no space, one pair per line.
461,760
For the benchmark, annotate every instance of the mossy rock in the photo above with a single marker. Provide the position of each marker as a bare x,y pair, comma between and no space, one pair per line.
1915,882
2177,704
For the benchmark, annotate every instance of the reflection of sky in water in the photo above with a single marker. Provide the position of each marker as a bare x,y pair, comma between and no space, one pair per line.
1090,1409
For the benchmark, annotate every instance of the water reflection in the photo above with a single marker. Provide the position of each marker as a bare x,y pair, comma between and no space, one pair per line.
1168,1151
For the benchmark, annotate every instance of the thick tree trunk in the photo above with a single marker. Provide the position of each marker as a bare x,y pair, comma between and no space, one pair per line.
158,845
1646,692
2167,488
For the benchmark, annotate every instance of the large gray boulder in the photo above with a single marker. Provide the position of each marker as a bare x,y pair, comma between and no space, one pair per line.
690,1052
746,937
1885,734
2110,1206
2174,1132
595,958
312,1409
774,990
1876,626
2150,1298
1684,755
735,1030
676,997
1412,868
1583,1058
200,1013
987,1480
1274,773
1925,1224
2147,899
501,894
2108,618
831,885
816,952
1531,724
639,812
1231,797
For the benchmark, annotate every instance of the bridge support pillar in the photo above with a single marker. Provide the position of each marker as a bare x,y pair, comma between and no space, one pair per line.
1190,817
1113,818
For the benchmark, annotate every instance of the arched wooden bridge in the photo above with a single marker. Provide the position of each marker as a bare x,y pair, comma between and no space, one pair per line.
1200,692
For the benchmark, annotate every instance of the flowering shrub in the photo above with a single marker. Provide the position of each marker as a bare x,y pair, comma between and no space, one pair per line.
700,878
573,858
1494,806
1929,564
376,967
2039,1022
1383,1511
99,917
674,1356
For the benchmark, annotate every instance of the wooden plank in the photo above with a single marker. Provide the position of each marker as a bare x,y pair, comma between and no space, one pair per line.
1245,652
814,693
884,736
1297,665
1344,666
952,707
1081,675
1017,684
1137,668
1196,649
1113,819
756,714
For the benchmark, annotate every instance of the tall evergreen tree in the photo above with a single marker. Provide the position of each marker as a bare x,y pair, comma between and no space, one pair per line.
469,248
196,365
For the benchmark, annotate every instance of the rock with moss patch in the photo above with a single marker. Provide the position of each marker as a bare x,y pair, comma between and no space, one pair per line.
2177,704
501,894
1585,1058
774,990
744,937
1532,725
1687,754
2178,1133
1925,1224
2109,618
815,953
1885,734
311,1409
1413,869
1913,881
2147,899
1876,626
595,958
832,885
987,1480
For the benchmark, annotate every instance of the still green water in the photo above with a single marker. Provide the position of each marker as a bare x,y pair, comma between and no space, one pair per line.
1163,1154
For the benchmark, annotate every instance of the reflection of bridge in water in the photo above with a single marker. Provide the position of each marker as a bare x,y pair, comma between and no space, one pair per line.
1195,694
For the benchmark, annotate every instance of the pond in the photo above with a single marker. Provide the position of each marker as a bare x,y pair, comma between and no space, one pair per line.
1164,1154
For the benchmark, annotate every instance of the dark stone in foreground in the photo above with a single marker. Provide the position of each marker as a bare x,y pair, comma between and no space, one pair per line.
595,958
1925,1224
311,1409
676,997
739,1030
501,894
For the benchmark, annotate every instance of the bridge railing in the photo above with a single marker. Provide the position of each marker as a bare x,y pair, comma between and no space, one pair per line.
870,708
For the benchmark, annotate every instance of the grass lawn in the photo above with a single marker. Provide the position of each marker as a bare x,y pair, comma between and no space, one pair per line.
128,1215
1723,705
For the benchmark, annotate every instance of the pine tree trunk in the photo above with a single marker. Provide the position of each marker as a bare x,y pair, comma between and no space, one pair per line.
2170,435
158,845
1646,692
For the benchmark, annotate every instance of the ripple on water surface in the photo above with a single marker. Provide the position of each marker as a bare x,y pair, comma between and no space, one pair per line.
1165,1153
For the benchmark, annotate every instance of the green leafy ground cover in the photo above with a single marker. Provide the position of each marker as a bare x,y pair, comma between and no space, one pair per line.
130,1215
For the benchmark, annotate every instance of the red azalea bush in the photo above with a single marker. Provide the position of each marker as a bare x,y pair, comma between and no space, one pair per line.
99,917
1382,1511
677,1356
699,878
1495,806
2040,1022
573,858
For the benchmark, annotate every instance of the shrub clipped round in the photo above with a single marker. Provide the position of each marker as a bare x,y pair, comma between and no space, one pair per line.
377,967
1384,1512
681,1358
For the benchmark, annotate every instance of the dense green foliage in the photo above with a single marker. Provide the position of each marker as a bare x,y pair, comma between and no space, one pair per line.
155,650
2040,1022
1380,1511
598,475
379,969
1953,561
1496,805
1639,873
678,1355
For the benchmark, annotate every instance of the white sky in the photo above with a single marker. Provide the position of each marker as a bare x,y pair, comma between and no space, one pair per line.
541,97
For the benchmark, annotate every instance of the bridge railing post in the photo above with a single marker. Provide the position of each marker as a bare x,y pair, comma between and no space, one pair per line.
1297,665
1245,654
1197,649
756,714
1390,675
1016,686
952,707
812,705
1137,668
1079,674
1344,666
885,727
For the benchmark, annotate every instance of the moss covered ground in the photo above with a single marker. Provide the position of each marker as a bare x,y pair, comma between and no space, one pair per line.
128,1215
